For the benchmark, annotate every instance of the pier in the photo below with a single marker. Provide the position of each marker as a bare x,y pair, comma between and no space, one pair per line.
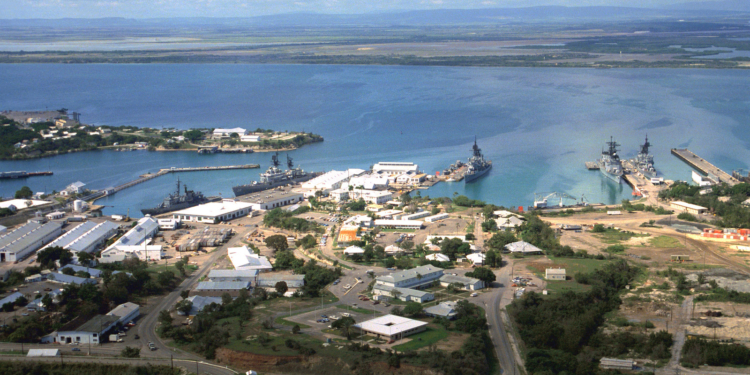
703,166
22,174
163,171
592,165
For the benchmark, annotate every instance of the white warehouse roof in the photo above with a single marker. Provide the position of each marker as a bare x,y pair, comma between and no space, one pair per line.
214,209
390,325
331,180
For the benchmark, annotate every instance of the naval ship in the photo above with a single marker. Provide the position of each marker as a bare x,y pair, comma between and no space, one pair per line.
275,177
478,167
176,201
609,163
644,162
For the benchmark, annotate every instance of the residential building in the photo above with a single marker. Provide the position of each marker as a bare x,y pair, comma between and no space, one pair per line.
468,283
199,302
91,271
438,257
214,212
445,309
126,312
555,274
38,305
476,258
511,222
393,250
68,279
522,247
391,327
24,240
418,277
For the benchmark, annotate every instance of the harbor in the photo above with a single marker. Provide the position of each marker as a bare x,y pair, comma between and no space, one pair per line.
704,166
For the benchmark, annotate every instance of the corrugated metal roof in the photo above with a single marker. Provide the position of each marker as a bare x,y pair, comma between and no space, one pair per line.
458,279
292,281
124,310
232,273
98,323
223,285
409,274
73,234
522,247
67,279
444,309
25,235
199,302
91,271
11,298
403,291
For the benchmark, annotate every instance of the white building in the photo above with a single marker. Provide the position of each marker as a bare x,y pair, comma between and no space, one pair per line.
55,215
20,204
225,133
438,257
143,231
242,258
371,196
510,222
86,237
233,275
555,274
214,212
395,168
403,294
369,182
24,240
421,276
358,221
391,327
399,224
388,214
354,250
75,188
292,281
393,250
331,180
119,253
268,200
415,216
250,138
445,309
168,224
435,218
43,353
125,312
89,332
522,247
476,258
467,283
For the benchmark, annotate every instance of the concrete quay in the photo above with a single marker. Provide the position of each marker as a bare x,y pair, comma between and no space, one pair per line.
703,166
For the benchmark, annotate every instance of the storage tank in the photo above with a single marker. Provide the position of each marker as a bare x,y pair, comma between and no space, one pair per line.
79,205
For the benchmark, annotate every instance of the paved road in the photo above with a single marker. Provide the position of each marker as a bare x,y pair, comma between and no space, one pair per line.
494,303
199,367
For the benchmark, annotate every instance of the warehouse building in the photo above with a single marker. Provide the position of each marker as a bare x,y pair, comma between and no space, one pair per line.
403,294
119,253
89,332
693,209
391,327
331,180
233,275
91,271
200,302
421,276
214,212
434,218
468,283
126,312
445,309
416,216
144,230
86,237
555,274
225,133
68,279
243,258
11,298
26,239
399,224
371,196
370,181
270,280
216,289
395,168
268,200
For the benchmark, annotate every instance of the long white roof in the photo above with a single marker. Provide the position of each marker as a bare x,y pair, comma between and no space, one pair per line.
145,228
522,247
243,259
214,209
390,325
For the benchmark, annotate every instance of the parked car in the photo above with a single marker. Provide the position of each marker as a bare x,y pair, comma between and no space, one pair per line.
375,302
137,337
75,350
474,294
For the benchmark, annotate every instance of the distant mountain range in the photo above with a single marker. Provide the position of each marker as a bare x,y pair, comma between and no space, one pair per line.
559,14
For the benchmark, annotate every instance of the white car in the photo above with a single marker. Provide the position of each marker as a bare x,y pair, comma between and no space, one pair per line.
347,286
474,294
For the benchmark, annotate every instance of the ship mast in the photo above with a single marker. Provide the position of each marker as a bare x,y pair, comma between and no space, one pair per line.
275,159
477,151
645,146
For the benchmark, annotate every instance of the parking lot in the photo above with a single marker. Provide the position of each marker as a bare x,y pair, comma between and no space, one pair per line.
316,320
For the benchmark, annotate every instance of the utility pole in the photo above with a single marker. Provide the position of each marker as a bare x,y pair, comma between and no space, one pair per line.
171,360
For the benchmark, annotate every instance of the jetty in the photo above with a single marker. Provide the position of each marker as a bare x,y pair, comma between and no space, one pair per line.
704,166
22,174
146,177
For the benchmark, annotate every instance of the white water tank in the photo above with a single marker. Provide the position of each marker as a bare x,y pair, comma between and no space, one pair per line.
79,205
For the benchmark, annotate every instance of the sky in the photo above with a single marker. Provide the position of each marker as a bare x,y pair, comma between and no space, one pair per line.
249,8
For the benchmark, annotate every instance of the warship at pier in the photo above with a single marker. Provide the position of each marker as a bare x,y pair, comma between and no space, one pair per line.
644,162
610,164
477,166
178,201
275,177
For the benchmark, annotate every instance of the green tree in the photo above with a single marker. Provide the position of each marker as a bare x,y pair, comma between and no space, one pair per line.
598,228
489,225
85,258
484,274
193,135
493,258
184,306
296,329
24,193
407,245
413,309
281,287
129,352
68,271
277,242
185,294
345,326
286,260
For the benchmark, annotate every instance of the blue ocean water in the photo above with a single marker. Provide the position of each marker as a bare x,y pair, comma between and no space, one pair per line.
538,126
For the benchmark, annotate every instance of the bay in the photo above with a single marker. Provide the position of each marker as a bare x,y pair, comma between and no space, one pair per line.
538,126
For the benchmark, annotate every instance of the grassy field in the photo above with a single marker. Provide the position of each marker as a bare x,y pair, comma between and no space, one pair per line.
572,266
614,236
423,339
665,241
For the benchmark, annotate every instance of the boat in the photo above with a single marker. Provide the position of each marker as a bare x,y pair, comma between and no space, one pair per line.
644,162
477,166
275,177
178,201
610,164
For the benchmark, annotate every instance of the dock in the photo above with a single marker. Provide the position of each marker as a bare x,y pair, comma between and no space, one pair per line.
703,166
163,171
22,174
592,165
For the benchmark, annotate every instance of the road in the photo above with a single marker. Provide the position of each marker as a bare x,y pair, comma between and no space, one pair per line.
199,367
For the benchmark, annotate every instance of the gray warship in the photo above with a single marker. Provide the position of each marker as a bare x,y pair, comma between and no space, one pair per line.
274,177
610,164
478,167
644,162
176,201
